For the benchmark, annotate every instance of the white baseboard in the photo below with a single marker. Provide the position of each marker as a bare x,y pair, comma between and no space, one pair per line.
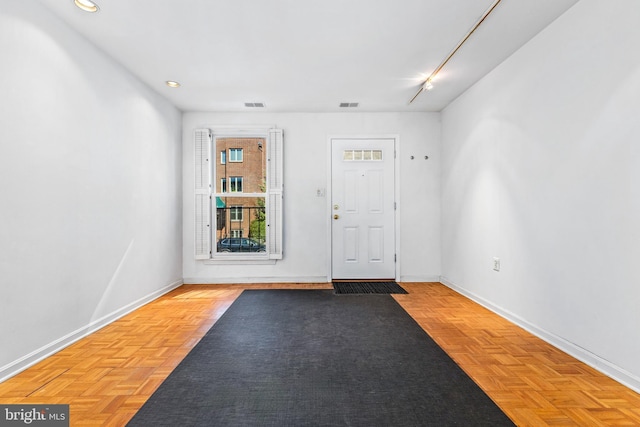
43,352
414,279
297,279
228,280
604,366
300,279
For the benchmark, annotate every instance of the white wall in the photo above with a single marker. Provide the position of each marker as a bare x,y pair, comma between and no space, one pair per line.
541,168
90,187
306,251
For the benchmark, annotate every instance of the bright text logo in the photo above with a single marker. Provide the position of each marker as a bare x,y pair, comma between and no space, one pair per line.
36,415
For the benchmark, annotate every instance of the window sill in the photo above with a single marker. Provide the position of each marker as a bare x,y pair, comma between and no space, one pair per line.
239,260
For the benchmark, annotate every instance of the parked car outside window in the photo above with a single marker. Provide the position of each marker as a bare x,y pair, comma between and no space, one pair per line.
240,244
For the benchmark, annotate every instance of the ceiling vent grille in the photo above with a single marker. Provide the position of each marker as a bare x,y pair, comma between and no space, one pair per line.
254,104
348,104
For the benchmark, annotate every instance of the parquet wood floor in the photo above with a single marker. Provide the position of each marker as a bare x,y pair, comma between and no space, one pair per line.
107,376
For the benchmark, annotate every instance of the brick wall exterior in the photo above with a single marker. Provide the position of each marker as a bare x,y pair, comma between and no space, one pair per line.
252,169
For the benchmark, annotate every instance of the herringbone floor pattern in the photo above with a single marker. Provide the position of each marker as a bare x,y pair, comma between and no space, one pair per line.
107,376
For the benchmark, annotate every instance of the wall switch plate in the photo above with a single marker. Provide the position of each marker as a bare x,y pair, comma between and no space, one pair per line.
496,264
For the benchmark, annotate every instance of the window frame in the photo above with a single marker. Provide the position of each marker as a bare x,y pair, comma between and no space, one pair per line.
206,214
236,213
231,155
233,184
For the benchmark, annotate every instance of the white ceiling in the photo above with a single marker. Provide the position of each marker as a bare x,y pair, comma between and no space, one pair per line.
308,55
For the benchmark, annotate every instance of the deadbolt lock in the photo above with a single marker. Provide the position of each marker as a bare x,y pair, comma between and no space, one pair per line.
336,207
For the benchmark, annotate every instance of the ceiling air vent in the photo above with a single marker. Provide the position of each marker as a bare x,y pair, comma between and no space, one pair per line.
254,104
348,104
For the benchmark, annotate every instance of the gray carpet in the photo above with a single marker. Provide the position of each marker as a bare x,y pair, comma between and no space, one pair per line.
312,358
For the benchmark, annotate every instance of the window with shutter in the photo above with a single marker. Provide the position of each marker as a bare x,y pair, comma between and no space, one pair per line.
202,194
247,191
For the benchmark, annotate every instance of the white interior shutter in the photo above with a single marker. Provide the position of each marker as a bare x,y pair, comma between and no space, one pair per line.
202,154
274,193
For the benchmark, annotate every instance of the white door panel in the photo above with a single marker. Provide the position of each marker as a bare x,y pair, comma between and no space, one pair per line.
363,224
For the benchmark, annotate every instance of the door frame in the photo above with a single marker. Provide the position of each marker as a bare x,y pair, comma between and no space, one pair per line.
329,196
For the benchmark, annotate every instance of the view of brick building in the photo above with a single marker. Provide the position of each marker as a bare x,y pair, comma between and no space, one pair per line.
240,168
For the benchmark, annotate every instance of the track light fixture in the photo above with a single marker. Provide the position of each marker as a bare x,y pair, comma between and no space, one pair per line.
427,85
87,5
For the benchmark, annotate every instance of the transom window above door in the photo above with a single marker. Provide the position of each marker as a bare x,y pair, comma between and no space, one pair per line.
362,155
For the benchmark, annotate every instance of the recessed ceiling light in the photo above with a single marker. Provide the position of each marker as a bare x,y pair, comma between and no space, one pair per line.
87,5
171,83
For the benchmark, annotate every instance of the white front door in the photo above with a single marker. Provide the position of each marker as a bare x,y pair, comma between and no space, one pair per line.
362,209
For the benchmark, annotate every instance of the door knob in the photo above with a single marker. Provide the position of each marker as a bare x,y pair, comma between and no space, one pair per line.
336,216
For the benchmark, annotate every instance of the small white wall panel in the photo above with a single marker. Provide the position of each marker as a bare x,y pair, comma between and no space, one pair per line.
376,244
351,244
351,191
376,191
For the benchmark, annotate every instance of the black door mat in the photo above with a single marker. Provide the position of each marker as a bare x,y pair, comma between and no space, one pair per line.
368,288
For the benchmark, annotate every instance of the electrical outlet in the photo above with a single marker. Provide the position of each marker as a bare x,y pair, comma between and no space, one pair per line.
496,264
